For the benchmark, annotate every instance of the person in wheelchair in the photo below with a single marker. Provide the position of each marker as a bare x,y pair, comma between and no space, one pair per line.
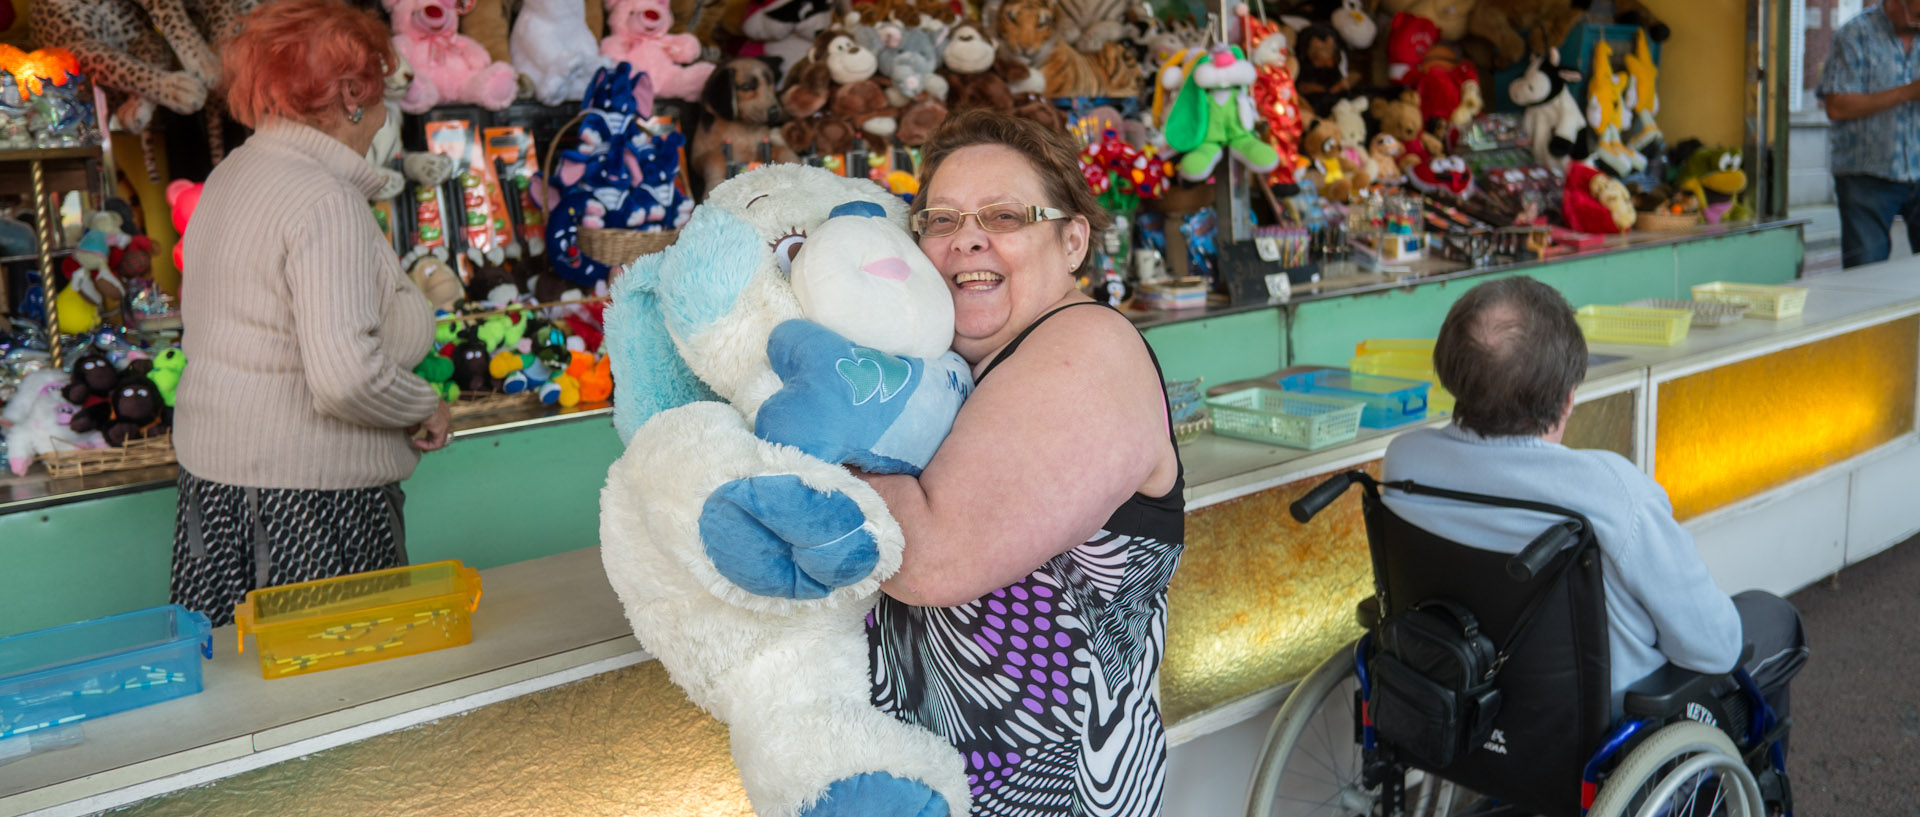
1542,632
1511,354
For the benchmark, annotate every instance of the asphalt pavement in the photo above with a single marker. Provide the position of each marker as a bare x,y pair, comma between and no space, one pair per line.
1856,705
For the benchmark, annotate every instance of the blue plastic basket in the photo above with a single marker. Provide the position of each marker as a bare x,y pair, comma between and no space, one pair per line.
92,669
1388,401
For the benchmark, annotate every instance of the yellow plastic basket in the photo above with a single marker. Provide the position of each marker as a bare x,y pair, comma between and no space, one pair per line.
1762,300
1377,345
353,619
1635,325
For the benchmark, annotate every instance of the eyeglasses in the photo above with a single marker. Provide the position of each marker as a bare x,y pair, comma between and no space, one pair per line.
1005,217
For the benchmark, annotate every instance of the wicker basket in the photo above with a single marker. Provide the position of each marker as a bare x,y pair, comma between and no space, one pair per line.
618,248
471,403
1654,222
141,453
612,247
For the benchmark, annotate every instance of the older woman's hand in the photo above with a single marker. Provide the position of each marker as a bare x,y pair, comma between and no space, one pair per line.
436,428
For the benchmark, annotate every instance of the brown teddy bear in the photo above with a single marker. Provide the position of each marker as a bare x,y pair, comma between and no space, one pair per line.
1400,118
836,95
1321,146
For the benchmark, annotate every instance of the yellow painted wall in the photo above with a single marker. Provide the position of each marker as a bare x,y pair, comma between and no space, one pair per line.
1703,69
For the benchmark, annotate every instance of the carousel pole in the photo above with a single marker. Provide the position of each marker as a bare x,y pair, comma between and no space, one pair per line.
44,247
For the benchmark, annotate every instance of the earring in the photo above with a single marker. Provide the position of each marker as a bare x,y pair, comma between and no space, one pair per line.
356,115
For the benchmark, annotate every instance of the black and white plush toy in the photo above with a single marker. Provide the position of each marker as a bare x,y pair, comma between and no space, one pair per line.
1555,126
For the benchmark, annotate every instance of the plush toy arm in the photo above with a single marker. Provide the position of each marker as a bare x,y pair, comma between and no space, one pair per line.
701,503
681,48
846,403
1249,116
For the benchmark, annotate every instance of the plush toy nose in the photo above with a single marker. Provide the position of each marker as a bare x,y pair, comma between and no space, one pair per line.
890,268
858,208
433,13
1223,59
651,15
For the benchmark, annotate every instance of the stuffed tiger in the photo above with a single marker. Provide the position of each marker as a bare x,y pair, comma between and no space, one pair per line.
1027,28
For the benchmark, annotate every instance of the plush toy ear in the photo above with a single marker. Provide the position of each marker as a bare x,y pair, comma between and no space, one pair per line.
650,371
1187,122
717,96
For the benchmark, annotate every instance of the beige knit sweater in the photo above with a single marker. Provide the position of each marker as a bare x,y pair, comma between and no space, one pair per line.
301,331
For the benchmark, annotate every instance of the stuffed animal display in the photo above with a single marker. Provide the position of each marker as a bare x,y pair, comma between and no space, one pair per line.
836,95
638,35
1607,110
552,46
1714,178
1213,116
747,567
1553,123
449,67
39,421
741,104
620,177
1595,202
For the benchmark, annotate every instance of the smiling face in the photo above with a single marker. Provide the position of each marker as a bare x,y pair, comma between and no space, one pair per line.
1001,282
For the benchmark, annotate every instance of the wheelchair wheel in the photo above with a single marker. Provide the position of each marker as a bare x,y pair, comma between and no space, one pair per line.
1686,769
1311,765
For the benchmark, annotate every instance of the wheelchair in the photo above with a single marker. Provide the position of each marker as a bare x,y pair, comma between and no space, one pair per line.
1689,744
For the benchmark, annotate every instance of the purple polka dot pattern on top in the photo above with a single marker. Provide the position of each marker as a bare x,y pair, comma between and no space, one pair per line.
997,607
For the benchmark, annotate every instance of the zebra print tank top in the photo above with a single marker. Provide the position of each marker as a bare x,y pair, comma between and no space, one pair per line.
1046,686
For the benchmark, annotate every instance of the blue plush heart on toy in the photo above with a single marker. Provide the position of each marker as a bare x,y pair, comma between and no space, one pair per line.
870,372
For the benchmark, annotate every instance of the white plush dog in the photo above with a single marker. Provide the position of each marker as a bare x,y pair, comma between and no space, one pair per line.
747,567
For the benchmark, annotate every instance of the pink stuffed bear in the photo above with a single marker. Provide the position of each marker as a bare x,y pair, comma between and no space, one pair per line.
449,67
637,34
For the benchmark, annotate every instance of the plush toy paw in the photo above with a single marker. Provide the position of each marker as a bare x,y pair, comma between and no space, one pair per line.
774,536
877,793
181,92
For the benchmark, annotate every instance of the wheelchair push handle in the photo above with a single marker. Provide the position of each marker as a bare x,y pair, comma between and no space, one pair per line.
1528,562
1322,495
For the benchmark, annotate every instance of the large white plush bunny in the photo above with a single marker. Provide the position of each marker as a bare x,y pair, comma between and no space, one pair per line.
747,562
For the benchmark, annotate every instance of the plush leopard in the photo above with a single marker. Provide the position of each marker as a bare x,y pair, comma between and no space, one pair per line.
129,47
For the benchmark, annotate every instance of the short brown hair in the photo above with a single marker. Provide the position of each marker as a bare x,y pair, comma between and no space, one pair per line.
296,59
1510,351
1053,154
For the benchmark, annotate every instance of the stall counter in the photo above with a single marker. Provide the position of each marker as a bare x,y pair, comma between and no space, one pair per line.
553,619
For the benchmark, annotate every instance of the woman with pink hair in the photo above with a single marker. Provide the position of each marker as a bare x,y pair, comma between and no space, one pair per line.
300,413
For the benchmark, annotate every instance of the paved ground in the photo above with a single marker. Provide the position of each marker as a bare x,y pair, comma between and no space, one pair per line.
1856,705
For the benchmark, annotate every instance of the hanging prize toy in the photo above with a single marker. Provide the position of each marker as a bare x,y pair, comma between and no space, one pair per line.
1214,116
1273,91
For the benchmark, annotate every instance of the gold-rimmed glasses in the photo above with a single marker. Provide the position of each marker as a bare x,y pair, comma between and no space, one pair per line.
1004,217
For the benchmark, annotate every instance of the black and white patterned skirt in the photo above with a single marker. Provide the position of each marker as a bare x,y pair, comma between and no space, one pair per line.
228,540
